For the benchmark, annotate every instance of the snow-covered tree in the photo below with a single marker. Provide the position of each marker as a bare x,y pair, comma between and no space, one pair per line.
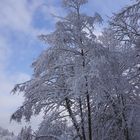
54,130
62,72
6,135
84,83
25,134
126,24
122,41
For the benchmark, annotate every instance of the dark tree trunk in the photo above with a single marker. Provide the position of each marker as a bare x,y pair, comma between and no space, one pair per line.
82,120
126,131
88,100
74,121
89,118
126,134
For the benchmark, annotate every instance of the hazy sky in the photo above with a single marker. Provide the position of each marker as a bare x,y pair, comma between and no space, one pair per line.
21,21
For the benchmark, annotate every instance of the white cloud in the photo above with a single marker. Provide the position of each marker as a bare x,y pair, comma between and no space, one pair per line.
14,14
4,53
8,102
18,15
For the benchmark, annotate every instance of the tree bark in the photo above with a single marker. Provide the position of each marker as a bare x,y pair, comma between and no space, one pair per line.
88,101
82,119
89,117
74,121
125,129
126,133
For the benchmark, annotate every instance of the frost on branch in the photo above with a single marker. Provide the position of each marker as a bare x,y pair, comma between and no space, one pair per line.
88,85
74,3
127,23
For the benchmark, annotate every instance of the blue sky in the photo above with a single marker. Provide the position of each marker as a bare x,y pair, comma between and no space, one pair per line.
21,21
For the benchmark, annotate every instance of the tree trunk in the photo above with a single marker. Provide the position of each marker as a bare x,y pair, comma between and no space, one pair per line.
82,120
89,118
125,129
126,134
74,121
88,100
